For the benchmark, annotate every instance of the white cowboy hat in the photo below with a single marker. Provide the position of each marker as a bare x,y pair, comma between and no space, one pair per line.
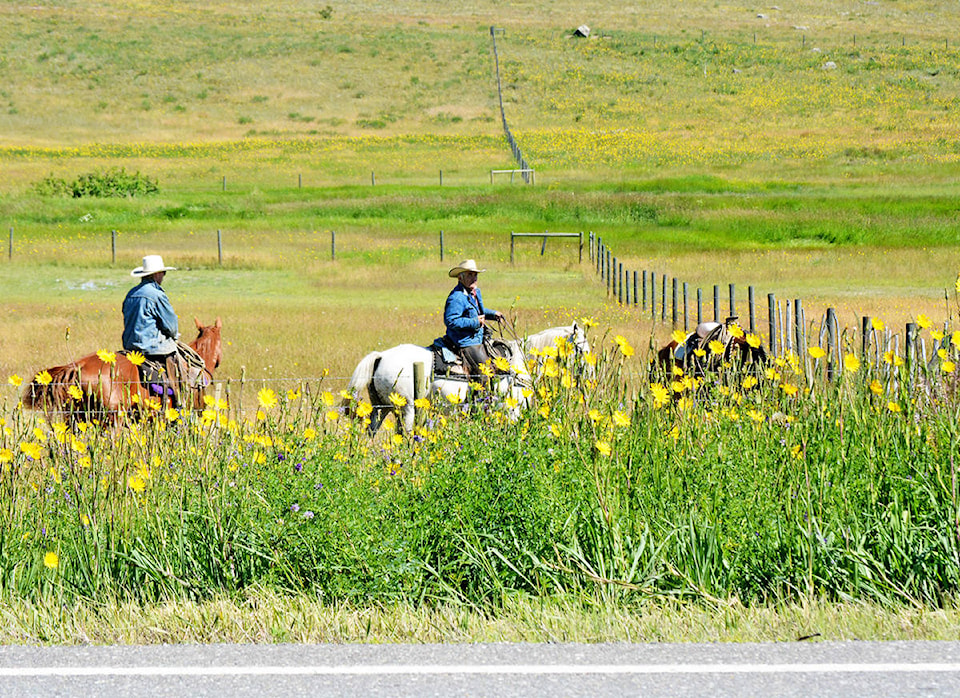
152,263
465,265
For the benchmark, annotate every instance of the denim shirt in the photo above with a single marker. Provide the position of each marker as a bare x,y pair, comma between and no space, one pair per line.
149,323
462,314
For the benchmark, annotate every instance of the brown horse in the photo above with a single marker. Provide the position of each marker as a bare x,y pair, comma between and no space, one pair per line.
697,357
107,390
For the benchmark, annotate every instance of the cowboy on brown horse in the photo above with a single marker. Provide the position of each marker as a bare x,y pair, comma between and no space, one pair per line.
150,326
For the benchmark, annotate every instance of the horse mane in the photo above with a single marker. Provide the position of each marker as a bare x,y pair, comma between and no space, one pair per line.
37,396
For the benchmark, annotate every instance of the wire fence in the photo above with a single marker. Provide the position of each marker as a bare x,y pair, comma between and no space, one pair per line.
785,323
525,170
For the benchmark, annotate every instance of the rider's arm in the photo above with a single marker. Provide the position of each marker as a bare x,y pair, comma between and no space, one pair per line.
167,321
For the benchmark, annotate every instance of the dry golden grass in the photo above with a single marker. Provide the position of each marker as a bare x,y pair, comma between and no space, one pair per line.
267,617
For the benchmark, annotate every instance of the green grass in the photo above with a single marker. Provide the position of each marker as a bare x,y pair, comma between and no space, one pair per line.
699,141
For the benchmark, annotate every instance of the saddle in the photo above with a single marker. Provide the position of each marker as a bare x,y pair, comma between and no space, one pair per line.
700,338
447,361
185,366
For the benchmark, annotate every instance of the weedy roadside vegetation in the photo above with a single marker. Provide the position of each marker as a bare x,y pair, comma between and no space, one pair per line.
781,486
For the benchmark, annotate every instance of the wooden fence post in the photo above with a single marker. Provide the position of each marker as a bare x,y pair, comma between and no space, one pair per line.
786,327
620,283
113,246
716,303
333,245
772,322
832,345
441,247
686,298
635,287
663,297
653,295
910,348
699,305
676,302
10,250
733,304
866,322
613,278
799,326
219,247
752,309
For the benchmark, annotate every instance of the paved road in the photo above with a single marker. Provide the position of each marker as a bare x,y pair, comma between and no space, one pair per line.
796,669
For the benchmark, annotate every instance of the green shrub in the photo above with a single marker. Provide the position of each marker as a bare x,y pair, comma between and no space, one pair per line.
112,183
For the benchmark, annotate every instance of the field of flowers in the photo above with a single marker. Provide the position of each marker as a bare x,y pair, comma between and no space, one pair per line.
810,151
776,485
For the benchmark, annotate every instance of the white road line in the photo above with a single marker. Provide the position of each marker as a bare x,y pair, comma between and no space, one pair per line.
476,669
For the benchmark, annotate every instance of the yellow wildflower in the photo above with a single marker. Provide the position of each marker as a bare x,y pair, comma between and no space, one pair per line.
603,448
107,357
31,450
851,363
876,388
267,398
136,358
660,394
15,380
817,352
43,378
51,560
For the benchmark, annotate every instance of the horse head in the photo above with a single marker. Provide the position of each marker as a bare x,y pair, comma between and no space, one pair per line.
209,343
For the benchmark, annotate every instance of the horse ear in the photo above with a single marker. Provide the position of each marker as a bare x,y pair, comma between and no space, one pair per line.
196,320
218,324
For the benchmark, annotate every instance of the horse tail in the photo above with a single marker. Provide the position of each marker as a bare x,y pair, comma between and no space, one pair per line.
48,395
363,374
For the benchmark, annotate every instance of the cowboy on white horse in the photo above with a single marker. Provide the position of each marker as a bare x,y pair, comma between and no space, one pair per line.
465,316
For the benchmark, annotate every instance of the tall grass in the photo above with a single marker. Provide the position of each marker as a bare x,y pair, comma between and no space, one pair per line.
781,487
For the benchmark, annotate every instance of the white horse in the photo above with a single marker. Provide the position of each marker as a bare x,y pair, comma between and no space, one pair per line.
381,373
573,334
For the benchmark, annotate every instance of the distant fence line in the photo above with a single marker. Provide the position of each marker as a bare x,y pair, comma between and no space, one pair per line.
525,170
786,320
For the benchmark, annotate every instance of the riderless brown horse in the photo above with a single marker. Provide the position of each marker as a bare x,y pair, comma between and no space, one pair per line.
108,389
697,355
